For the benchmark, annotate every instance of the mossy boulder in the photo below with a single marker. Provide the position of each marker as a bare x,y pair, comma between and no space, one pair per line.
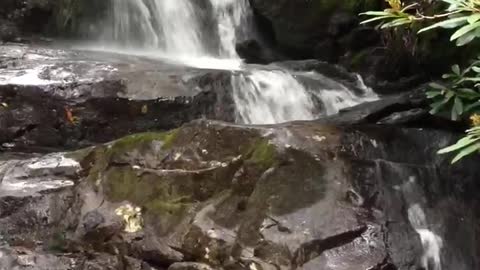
304,195
214,191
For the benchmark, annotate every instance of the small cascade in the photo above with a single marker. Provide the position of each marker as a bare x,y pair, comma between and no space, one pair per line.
268,97
277,96
432,243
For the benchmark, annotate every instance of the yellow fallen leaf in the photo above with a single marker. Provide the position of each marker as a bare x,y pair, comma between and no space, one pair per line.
132,217
144,109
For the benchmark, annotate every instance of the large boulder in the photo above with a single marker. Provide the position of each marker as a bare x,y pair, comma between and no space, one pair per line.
213,195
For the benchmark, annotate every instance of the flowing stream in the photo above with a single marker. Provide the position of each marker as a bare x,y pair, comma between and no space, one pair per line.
204,34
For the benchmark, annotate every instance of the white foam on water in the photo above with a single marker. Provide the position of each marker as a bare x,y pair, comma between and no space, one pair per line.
336,99
25,77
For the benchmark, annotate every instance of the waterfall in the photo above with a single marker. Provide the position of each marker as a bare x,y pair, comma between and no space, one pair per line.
174,27
131,24
204,34
178,17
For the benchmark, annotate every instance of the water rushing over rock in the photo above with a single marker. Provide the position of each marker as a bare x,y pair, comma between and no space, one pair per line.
204,34
178,28
277,96
268,97
432,243
233,24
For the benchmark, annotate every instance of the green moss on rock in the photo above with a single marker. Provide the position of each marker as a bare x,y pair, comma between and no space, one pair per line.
263,153
137,141
121,184
160,206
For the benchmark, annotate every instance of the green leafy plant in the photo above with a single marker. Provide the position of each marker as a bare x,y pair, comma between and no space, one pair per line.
458,95
467,145
461,14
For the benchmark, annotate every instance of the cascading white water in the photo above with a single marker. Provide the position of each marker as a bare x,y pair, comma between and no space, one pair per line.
173,28
432,243
268,97
179,31
276,96
232,20
167,25
131,24
178,17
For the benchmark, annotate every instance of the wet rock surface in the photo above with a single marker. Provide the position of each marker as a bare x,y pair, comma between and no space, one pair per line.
55,98
212,195
52,98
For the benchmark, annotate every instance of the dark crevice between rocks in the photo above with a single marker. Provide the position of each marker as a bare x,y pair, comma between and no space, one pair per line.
24,130
313,249
385,265
409,110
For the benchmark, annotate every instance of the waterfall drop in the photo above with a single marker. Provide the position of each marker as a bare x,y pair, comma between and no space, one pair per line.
176,28
204,34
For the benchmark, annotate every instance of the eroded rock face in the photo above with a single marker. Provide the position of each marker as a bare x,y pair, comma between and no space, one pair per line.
214,195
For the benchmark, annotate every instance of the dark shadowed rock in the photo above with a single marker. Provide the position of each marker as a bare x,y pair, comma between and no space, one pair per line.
52,98
300,25
253,52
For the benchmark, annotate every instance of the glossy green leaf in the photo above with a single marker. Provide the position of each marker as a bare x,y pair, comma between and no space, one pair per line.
432,94
466,151
465,39
473,18
375,19
456,69
464,30
396,23
377,13
450,23
436,106
472,106
462,143
458,106
438,86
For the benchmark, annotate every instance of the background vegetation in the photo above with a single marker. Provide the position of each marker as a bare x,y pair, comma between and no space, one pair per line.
457,96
